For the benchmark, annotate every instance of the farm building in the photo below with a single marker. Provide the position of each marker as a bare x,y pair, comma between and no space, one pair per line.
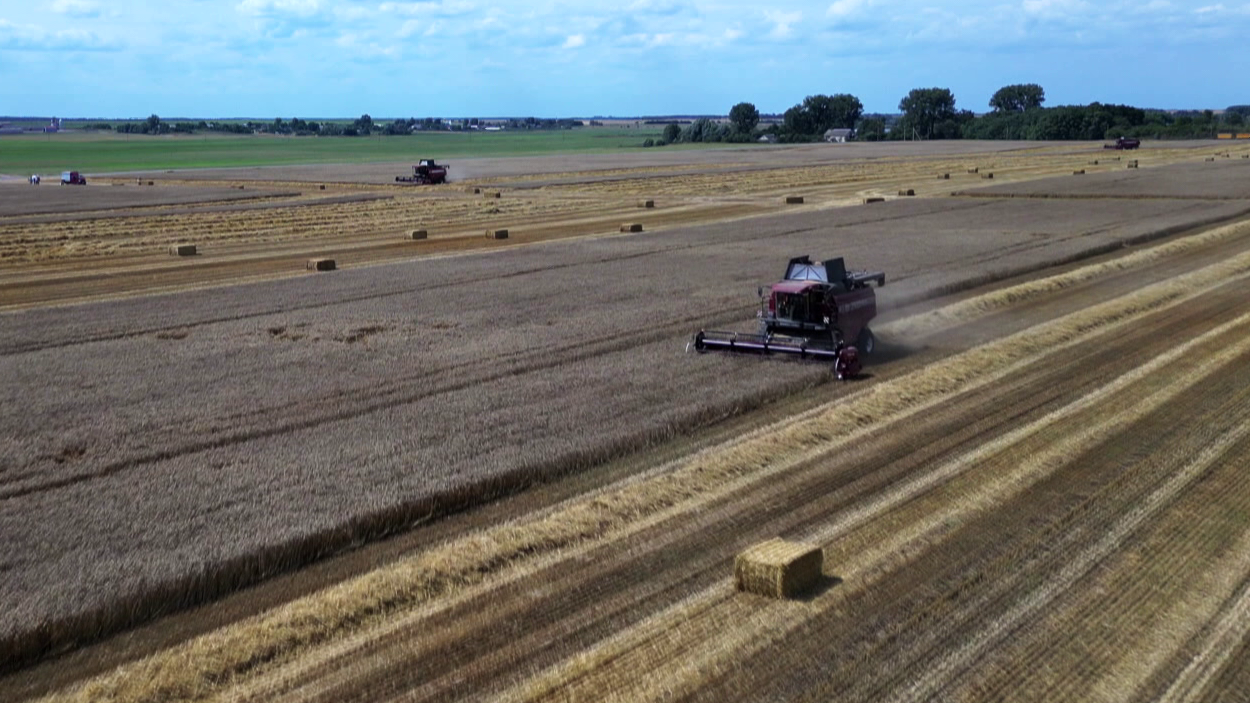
839,136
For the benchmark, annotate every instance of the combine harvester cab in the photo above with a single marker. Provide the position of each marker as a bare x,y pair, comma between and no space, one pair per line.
811,313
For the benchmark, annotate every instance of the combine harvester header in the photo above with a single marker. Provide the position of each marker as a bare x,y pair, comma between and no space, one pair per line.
811,313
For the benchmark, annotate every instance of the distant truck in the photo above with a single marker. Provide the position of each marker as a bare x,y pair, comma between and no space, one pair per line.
1124,143
73,178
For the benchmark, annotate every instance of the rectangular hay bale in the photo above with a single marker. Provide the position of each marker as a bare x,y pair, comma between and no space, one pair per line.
1079,172
987,175
875,199
646,203
320,265
631,227
496,234
794,200
945,176
418,234
182,250
907,192
778,569
974,169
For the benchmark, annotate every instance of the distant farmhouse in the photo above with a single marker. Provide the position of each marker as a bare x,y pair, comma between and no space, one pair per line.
839,136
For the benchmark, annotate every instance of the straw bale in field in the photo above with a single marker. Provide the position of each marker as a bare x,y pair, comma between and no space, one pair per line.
974,169
496,234
778,569
1094,162
1132,164
987,175
794,200
320,265
182,250
876,199
418,234
908,191
1210,158
1079,172
646,203
322,186
945,176
631,227
152,183
477,191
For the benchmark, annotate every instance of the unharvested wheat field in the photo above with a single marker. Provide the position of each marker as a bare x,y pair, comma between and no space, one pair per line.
499,476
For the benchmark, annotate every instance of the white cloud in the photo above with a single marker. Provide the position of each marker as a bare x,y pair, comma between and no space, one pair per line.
783,22
76,8
302,8
408,28
428,7
845,8
575,41
29,37
1053,8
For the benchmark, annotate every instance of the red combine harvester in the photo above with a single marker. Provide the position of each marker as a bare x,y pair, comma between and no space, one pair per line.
73,178
425,173
811,313
1123,143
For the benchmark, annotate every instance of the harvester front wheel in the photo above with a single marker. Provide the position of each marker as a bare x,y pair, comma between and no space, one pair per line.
867,342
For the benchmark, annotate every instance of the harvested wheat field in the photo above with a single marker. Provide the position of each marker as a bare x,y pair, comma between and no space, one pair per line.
498,475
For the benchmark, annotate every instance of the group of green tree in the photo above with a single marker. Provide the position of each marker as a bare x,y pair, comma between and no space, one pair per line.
1016,112
362,126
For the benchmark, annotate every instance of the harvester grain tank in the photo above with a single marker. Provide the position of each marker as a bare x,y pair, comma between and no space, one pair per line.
73,178
819,310
1123,143
426,172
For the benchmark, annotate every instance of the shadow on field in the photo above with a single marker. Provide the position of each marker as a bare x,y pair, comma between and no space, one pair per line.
823,586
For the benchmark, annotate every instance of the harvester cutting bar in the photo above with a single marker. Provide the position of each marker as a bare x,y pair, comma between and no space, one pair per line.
762,344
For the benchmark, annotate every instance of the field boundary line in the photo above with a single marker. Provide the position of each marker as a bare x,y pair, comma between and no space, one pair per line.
781,619
257,643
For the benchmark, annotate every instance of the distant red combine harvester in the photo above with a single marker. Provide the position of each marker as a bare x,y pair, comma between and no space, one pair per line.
426,172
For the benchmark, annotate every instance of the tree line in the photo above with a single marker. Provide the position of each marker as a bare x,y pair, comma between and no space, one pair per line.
1016,112
362,126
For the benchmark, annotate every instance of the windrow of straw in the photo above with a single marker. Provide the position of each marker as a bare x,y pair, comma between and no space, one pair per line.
982,305
202,668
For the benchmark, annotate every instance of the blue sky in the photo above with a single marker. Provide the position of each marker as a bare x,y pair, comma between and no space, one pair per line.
316,58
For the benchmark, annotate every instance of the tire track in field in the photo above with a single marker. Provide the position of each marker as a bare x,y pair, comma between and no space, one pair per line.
938,675
1227,635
